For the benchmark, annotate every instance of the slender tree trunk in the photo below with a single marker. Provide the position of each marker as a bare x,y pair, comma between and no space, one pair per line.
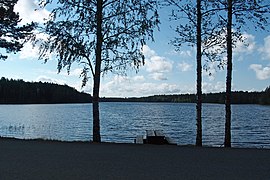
96,120
199,76
227,141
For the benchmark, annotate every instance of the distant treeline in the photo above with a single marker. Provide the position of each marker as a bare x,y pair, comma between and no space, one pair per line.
238,97
21,92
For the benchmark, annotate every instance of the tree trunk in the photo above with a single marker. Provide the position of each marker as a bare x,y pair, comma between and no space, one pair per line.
227,141
199,77
96,120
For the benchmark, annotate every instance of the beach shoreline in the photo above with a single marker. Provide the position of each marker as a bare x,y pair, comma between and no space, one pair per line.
44,159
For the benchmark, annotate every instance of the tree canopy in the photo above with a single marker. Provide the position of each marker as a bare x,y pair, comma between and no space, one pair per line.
126,26
102,35
12,35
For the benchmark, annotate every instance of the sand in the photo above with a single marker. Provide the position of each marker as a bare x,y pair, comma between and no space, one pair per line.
48,160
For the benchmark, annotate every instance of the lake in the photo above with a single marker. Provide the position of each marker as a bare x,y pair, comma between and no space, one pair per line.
122,122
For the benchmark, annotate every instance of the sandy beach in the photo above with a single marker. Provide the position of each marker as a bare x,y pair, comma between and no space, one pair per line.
37,159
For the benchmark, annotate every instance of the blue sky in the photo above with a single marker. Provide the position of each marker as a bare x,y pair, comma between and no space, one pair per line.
165,72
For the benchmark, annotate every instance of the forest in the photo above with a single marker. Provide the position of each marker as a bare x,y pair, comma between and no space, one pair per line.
21,92
238,97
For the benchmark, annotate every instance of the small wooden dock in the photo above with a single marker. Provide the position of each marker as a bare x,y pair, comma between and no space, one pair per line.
154,137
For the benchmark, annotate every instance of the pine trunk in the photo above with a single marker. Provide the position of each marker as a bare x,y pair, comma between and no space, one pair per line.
227,141
199,77
96,120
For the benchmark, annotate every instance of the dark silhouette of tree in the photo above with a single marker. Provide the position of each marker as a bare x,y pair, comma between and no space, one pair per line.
12,36
102,35
265,97
227,140
200,31
239,12
213,34
199,74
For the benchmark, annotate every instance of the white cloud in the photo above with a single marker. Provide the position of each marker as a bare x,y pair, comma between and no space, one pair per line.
211,70
156,65
118,86
28,51
246,46
158,76
147,52
76,72
29,11
185,67
168,89
122,86
147,89
213,87
266,48
32,52
49,80
77,86
185,53
262,73
138,78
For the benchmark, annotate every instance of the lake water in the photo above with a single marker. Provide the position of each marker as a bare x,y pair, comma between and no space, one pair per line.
122,122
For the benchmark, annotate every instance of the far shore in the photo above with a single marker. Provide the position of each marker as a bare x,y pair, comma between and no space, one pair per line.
40,159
